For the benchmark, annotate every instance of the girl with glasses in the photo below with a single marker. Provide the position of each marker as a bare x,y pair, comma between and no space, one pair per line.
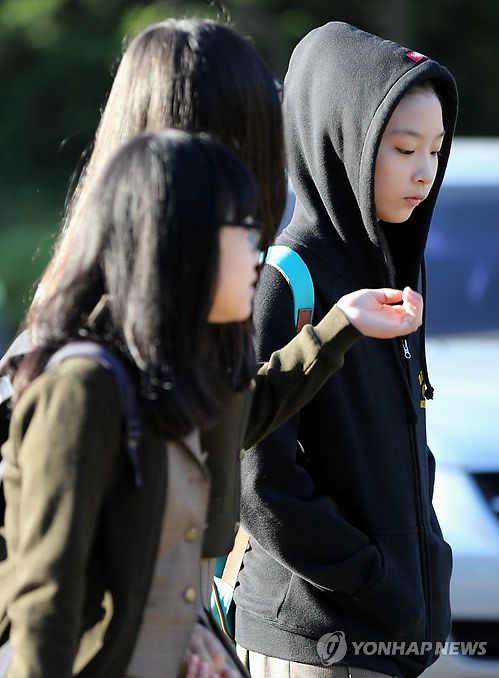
202,76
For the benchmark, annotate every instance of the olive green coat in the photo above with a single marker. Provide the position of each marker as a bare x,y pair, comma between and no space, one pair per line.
282,387
83,539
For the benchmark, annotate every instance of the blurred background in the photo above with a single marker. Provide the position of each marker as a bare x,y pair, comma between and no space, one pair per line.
57,58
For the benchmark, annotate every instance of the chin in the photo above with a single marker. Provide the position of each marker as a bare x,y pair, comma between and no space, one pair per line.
247,315
240,317
395,220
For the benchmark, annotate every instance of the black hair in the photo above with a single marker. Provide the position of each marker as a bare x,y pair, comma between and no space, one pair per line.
196,75
150,241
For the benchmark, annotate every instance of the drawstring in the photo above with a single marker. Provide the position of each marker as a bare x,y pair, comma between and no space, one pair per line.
429,390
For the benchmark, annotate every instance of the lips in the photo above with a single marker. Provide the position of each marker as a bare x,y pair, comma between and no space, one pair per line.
415,200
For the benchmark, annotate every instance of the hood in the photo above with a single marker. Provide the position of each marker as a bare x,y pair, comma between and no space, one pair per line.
340,90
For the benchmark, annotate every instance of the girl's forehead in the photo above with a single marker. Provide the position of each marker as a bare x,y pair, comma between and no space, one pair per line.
416,113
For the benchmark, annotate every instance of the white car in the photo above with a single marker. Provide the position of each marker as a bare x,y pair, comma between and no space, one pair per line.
462,329
462,260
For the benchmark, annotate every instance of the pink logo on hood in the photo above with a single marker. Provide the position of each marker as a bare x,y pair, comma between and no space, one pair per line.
415,56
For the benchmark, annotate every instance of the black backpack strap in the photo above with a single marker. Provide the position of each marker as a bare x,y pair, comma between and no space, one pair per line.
126,387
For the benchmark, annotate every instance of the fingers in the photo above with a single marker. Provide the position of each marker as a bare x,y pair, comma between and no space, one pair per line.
412,302
206,658
204,644
378,313
213,651
195,668
387,295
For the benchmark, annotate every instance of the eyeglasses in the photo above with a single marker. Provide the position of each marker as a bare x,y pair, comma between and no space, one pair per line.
253,228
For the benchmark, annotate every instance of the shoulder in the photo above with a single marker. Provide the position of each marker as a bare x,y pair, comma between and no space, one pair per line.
78,388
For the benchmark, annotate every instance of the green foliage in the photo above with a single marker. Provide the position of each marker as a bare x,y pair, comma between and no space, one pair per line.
29,227
25,14
56,63
24,255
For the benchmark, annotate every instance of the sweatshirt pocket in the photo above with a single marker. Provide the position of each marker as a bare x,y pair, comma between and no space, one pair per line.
250,595
396,604
440,573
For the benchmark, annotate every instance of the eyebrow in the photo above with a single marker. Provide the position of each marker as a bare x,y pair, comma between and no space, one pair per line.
412,133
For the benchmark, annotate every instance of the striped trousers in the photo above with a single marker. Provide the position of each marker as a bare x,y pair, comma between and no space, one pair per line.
261,666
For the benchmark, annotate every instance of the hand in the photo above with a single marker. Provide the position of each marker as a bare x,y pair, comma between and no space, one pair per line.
206,657
371,312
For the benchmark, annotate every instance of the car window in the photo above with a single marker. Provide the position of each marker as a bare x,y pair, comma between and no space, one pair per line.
462,261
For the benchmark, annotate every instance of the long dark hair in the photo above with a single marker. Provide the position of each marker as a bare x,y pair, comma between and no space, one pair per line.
199,76
149,240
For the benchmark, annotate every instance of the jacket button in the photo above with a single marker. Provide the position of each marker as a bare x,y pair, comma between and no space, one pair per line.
191,534
190,594
204,455
242,454
252,385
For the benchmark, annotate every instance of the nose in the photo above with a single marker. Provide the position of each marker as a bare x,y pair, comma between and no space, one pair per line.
426,170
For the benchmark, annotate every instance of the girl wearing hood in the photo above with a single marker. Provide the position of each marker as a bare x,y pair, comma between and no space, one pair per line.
345,546
201,76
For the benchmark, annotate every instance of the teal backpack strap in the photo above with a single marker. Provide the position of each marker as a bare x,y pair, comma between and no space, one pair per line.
296,273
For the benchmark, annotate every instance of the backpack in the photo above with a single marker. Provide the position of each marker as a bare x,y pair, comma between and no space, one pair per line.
127,394
295,271
129,410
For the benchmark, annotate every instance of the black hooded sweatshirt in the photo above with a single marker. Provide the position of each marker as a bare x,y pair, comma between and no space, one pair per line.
343,533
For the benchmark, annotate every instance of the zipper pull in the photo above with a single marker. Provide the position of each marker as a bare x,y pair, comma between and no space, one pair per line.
405,346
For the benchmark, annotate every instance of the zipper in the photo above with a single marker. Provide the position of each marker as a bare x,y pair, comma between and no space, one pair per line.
405,347
422,518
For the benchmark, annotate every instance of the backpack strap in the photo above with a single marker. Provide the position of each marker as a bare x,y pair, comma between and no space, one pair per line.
295,271
126,387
